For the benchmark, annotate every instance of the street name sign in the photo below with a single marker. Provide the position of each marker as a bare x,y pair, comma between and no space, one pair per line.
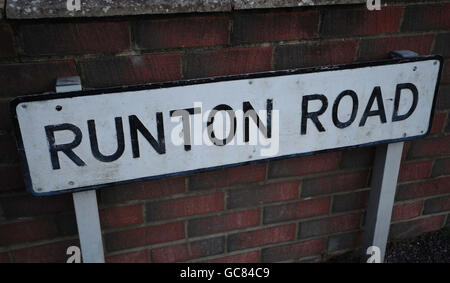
91,139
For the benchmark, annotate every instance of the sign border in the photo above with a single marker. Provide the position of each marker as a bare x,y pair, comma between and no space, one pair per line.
54,95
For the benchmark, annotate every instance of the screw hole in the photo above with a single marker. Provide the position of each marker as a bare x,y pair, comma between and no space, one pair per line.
58,108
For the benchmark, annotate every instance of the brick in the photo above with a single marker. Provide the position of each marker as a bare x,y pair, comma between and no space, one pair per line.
335,183
438,122
4,258
192,250
213,63
304,165
2,217
379,48
357,157
436,205
74,38
11,177
415,170
2,8
221,223
345,241
29,206
130,70
441,45
360,21
53,252
133,257
143,190
6,41
350,201
311,259
33,78
405,150
144,236
263,194
185,206
66,223
181,32
122,216
445,77
5,116
251,257
423,189
441,167
261,237
414,228
429,147
9,154
447,128
27,231
426,17
293,251
329,225
228,177
406,211
274,26
314,54
297,210
443,99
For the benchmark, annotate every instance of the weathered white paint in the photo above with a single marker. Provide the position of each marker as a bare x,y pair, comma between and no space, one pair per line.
286,92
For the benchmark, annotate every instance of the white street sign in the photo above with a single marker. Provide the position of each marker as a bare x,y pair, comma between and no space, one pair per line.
91,139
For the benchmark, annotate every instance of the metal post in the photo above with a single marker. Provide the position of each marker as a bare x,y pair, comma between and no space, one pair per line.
86,207
382,194
383,185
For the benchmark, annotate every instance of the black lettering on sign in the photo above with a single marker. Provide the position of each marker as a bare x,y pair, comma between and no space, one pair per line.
210,124
249,112
398,92
136,125
314,116
67,148
184,113
94,143
354,97
376,94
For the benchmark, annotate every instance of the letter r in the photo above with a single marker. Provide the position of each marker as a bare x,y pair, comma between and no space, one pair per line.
65,148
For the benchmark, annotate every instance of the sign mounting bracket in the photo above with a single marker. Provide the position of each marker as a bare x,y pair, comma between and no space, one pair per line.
86,207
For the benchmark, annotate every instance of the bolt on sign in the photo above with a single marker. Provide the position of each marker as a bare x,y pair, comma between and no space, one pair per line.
92,139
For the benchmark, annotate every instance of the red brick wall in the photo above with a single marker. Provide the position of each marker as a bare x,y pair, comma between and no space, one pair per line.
301,209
